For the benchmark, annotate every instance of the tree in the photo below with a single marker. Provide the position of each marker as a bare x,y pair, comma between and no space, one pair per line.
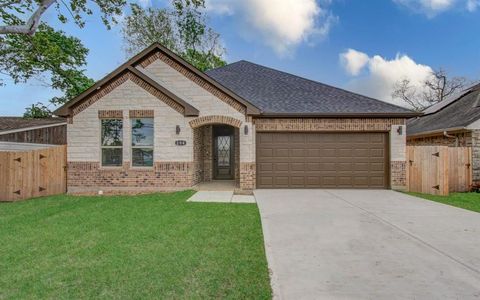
37,111
11,10
434,89
182,29
48,52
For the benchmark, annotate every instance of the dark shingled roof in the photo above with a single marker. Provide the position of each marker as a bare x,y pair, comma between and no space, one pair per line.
11,123
458,114
278,92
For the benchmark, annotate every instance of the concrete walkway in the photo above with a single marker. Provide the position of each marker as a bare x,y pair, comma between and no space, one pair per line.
363,244
221,197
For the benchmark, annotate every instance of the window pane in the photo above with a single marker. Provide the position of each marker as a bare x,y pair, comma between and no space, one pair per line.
142,132
112,132
142,157
111,157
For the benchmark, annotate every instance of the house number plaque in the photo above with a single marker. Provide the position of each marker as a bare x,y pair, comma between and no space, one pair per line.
180,143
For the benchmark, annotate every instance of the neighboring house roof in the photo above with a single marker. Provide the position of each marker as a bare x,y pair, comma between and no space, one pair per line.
454,97
456,115
15,124
276,93
130,66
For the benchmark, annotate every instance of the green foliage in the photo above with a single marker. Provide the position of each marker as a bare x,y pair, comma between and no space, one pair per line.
47,53
11,12
470,201
37,111
182,29
156,246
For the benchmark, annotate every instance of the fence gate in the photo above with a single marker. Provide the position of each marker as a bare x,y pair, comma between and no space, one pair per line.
32,173
439,170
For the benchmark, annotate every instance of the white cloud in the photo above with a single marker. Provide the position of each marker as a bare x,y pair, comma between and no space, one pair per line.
381,75
432,8
472,5
282,24
428,7
354,61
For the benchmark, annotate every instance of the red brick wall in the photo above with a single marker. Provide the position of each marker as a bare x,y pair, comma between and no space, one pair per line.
163,175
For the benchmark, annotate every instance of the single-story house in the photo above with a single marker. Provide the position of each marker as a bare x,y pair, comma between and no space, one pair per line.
158,123
39,131
454,122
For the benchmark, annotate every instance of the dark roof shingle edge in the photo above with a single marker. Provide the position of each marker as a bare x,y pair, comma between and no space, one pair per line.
407,113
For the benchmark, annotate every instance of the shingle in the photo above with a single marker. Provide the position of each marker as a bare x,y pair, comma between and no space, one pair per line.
459,113
275,91
10,123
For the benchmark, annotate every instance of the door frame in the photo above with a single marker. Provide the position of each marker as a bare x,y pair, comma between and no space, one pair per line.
223,130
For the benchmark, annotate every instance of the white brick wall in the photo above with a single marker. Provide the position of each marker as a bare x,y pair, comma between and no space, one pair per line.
83,136
204,101
398,143
189,91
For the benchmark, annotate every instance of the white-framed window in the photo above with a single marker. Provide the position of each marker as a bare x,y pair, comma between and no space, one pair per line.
112,142
142,142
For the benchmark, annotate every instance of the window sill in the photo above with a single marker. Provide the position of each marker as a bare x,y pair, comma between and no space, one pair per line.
108,168
141,168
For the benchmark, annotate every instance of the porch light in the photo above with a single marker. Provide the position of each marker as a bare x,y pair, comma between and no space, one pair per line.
245,129
177,129
400,130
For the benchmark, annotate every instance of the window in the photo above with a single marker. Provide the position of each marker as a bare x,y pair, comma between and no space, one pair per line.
142,142
112,131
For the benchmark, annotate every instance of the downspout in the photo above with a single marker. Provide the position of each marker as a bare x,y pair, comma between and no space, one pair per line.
445,134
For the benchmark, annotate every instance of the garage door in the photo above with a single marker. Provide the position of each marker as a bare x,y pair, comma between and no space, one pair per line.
322,160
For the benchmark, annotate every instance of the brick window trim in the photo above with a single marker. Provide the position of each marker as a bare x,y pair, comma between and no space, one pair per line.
141,113
110,114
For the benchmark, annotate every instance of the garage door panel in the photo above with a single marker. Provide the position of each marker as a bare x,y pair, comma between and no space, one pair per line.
281,152
322,160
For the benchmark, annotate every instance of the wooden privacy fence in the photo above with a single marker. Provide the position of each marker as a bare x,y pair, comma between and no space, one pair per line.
32,173
439,170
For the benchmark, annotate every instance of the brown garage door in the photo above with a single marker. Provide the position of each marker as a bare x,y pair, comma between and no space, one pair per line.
322,160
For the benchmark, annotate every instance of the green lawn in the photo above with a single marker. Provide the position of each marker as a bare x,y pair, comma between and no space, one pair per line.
470,201
131,247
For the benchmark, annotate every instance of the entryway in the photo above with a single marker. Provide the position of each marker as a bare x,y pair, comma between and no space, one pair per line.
223,152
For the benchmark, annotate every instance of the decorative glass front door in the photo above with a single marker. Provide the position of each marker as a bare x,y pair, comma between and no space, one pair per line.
223,153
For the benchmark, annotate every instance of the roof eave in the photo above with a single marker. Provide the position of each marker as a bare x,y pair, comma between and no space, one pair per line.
340,115
437,131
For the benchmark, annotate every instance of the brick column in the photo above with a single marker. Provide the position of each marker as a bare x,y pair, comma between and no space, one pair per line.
476,157
398,163
247,157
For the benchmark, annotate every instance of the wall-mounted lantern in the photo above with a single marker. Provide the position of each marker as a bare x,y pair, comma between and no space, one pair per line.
177,130
245,129
400,130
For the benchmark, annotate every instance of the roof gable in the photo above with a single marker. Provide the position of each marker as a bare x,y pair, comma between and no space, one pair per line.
130,68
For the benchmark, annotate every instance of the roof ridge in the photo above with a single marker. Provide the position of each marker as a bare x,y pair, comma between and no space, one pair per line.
321,83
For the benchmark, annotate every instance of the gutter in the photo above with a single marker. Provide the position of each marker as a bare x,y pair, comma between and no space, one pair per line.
445,134
437,131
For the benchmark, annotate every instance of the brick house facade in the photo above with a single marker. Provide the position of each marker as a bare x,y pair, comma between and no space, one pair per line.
186,107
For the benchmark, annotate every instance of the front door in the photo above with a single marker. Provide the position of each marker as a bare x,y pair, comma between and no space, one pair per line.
223,158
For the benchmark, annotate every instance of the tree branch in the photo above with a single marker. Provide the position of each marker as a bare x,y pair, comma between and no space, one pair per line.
31,26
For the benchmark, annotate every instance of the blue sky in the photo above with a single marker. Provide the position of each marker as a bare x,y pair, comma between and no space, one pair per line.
364,46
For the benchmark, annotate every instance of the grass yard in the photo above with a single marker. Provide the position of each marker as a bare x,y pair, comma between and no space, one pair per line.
131,247
470,201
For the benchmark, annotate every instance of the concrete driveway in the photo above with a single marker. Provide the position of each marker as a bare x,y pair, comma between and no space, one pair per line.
368,244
